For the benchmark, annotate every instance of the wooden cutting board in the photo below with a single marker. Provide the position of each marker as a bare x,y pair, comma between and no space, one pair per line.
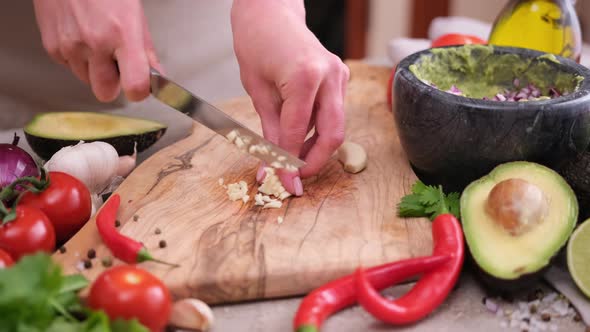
232,251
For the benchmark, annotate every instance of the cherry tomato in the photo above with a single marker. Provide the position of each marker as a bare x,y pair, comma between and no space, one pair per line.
126,291
66,202
456,39
30,232
5,259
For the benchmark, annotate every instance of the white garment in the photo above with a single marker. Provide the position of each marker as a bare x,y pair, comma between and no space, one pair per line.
192,38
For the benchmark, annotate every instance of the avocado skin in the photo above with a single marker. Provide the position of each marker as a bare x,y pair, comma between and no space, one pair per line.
505,286
47,147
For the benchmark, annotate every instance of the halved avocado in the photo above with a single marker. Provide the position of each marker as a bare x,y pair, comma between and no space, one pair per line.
47,133
515,220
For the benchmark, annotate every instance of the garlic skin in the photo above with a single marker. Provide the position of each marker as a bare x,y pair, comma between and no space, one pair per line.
95,163
191,314
126,165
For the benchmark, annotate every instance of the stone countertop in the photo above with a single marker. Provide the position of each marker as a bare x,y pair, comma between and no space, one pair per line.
462,311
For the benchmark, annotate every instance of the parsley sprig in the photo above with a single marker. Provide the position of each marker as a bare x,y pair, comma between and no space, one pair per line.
428,201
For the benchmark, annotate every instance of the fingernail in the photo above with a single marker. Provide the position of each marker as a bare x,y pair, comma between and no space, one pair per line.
261,174
298,185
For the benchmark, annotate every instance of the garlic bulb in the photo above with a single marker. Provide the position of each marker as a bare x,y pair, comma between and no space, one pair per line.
95,164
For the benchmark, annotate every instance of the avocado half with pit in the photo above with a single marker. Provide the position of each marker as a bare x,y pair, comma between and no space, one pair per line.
515,220
47,133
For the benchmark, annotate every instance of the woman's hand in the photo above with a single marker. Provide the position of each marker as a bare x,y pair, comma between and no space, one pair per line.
89,36
294,82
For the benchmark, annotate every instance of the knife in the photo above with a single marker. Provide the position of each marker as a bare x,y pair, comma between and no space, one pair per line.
179,98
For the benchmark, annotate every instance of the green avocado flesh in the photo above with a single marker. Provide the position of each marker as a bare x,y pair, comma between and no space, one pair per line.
502,254
478,72
47,133
87,126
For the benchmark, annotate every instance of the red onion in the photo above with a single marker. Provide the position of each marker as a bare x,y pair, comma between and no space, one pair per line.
15,163
454,90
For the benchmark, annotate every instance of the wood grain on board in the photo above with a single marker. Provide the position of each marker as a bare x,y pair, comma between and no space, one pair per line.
231,251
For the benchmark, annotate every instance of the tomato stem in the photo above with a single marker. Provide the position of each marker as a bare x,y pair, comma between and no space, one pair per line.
5,215
38,185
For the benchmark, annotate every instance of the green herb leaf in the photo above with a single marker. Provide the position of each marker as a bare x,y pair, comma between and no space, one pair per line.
36,297
25,292
410,206
73,283
127,326
428,201
430,196
453,204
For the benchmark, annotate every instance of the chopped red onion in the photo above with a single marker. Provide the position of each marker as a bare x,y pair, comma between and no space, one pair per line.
454,90
516,82
491,305
500,97
527,93
554,92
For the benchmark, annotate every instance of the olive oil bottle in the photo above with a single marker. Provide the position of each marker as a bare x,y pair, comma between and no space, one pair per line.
550,26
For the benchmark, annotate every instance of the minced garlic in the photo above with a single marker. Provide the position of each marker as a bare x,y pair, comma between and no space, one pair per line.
237,191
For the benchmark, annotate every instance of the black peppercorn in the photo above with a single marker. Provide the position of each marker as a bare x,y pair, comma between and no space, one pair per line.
91,254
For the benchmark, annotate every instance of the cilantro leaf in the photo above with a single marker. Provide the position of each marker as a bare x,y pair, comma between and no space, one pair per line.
429,196
419,187
453,204
428,201
410,206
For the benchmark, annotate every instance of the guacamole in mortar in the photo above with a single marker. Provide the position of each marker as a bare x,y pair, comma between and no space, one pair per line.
479,73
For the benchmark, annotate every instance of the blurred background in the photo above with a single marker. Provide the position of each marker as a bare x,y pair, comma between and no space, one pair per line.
362,29
193,39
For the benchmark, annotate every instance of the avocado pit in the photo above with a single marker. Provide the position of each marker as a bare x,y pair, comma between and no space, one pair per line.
517,205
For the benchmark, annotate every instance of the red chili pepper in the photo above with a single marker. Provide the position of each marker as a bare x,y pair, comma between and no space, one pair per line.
341,293
432,288
122,247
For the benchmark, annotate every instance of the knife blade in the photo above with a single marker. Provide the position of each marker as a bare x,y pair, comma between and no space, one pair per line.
179,98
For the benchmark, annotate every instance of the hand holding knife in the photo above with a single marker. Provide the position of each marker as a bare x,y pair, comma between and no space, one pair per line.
177,97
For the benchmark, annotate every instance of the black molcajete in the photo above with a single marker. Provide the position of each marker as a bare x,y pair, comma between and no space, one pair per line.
453,140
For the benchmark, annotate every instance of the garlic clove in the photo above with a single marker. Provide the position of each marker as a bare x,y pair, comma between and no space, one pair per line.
353,157
191,314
